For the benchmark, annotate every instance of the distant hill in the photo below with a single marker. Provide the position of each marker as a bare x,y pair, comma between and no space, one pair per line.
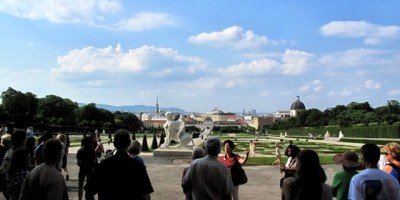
134,108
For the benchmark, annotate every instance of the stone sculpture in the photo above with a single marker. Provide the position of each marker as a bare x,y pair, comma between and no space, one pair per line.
175,130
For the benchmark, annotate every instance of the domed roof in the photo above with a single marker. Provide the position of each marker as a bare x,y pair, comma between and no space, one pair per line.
297,105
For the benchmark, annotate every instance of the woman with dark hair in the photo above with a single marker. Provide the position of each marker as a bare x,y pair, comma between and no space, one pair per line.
290,167
309,180
230,159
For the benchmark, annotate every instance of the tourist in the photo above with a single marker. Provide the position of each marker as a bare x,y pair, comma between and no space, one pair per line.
17,172
120,176
30,145
289,145
45,181
289,169
63,161
278,155
341,180
208,178
5,144
392,155
38,152
134,151
198,152
373,183
18,140
309,181
230,159
86,160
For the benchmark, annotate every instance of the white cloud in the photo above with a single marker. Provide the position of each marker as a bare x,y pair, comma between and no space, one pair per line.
61,11
94,82
296,62
355,57
255,68
371,84
395,92
233,36
145,21
156,61
372,34
315,86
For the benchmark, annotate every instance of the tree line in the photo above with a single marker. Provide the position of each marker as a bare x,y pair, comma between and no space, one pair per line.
344,116
21,110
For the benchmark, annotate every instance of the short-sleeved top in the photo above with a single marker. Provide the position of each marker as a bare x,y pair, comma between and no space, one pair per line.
229,161
44,182
373,183
118,170
278,152
341,182
208,178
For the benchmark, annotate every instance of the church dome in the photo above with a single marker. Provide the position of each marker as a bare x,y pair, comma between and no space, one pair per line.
297,105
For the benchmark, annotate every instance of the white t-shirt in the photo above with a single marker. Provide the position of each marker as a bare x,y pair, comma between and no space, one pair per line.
377,183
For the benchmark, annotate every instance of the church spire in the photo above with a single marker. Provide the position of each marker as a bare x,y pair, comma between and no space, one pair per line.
157,108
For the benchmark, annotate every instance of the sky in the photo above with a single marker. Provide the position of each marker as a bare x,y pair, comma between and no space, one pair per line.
200,55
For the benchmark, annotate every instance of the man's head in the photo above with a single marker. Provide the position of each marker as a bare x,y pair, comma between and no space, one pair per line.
213,146
135,147
122,139
198,152
370,154
18,138
52,151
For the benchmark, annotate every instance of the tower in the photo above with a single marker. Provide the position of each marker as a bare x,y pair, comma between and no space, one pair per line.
157,108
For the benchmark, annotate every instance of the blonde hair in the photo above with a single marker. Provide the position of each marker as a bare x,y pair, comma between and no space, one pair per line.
277,145
393,149
62,138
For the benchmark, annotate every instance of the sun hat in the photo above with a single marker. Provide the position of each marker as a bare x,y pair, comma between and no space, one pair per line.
6,137
348,159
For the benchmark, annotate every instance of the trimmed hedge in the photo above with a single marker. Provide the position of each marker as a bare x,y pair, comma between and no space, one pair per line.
358,131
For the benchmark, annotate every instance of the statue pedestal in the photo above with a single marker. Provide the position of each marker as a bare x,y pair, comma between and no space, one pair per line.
173,152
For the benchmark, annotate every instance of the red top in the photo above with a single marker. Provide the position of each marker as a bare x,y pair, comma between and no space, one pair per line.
229,161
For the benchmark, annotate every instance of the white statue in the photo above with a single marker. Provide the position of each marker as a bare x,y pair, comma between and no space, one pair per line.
175,130
341,135
327,135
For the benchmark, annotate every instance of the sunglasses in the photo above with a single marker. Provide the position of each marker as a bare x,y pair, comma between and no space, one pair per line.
386,153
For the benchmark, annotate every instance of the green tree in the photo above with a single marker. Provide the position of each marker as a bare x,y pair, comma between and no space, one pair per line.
56,109
19,107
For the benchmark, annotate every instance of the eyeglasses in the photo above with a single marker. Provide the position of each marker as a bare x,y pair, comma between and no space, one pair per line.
386,153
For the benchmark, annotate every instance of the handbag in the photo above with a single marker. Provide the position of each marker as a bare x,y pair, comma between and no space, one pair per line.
238,174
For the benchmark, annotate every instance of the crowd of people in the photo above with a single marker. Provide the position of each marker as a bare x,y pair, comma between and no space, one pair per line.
39,171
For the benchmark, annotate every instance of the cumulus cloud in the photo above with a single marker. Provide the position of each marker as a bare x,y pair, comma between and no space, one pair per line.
63,11
296,62
254,68
371,33
145,21
155,61
97,13
355,57
234,36
395,92
371,84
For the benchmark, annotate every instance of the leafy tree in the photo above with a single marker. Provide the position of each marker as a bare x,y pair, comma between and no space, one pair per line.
128,120
55,109
19,107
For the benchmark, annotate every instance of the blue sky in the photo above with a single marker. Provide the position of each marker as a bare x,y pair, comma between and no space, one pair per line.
197,55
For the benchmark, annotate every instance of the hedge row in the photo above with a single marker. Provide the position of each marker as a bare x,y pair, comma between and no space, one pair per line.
372,131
